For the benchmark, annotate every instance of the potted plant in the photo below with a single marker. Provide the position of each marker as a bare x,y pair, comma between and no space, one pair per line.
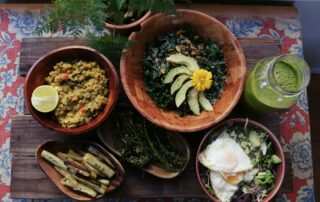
91,17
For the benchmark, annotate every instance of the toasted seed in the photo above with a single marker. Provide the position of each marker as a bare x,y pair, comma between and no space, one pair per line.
178,49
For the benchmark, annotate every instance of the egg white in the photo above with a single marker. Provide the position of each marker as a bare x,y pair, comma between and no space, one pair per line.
225,155
221,188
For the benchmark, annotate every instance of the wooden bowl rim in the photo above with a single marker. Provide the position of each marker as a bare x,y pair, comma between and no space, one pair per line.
101,132
118,165
165,124
83,128
280,169
130,25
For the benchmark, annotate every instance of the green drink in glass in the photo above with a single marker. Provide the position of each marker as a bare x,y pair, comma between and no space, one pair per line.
276,83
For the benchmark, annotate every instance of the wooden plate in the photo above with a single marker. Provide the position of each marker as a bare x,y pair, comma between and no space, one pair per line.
107,136
64,146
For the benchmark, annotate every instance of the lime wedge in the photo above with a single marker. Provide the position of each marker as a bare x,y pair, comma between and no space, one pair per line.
45,98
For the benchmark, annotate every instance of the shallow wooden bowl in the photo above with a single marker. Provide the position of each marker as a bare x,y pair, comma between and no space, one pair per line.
55,177
42,67
277,146
108,138
206,26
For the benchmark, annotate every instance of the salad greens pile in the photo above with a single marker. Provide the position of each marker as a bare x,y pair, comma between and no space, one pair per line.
259,148
207,53
141,143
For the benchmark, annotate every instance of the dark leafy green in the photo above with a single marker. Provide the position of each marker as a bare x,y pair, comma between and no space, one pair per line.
208,54
141,143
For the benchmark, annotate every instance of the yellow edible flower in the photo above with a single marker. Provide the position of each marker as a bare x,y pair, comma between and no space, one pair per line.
201,79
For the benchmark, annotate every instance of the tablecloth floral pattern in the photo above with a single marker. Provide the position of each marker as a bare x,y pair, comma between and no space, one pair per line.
294,124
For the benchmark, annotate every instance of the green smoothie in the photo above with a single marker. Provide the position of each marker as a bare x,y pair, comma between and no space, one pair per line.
263,95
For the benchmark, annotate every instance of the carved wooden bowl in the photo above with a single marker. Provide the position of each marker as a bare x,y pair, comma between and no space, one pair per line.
204,25
40,70
280,170
57,146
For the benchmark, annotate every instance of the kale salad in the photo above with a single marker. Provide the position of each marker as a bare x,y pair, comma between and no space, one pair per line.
238,163
184,72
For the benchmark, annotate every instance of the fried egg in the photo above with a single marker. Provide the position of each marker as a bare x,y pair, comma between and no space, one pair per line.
225,155
223,190
228,165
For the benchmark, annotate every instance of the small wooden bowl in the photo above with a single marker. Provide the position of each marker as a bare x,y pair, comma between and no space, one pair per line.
277,146
55,177
42,67
108,137
128,28
204,25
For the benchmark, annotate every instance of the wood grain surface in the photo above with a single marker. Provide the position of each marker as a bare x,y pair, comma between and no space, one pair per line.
33,48
28,180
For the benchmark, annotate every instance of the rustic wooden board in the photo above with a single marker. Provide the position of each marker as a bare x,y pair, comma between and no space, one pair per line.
33,48
28,181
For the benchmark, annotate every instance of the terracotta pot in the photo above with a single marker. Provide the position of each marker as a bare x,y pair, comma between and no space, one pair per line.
278,151
204,25
40,70
126,29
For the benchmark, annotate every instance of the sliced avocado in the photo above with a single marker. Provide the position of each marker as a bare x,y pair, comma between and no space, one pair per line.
275,159
178,58
254,138
174,72
178,83
193,101
204,102
181,94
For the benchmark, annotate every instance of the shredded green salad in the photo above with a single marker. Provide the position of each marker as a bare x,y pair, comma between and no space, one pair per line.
260,149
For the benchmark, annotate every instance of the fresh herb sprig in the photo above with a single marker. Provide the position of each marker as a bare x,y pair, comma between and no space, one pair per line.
77,17
73,16
110,46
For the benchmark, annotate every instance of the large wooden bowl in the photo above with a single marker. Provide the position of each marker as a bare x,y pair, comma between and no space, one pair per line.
42,67
280,170
206,26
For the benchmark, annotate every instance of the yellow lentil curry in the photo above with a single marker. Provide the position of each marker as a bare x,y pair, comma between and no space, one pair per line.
82,89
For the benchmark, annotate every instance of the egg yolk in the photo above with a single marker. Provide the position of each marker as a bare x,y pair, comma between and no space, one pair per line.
233,178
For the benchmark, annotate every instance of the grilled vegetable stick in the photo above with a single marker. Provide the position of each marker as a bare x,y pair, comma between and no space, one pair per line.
75,156
104,181
53,159
73,184
61,171
73,168
93,171
96,152
99,187
66,158
74,165
102,167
